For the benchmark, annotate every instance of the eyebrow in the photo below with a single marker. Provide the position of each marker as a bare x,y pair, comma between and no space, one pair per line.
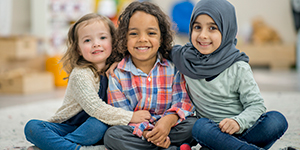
151,28
88,36
210,23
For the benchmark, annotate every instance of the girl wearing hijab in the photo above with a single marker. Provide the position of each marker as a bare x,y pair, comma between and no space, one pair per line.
229,105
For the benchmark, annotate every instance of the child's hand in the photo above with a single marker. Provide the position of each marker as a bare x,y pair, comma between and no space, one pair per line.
111,69
140,116
165,144
229,126
159,134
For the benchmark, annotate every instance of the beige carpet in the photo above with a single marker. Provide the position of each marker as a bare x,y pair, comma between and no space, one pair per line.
13,119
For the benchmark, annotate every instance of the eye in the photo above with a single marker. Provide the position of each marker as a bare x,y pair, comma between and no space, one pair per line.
213,28
197,27
152,33
103,37
87,40
132,33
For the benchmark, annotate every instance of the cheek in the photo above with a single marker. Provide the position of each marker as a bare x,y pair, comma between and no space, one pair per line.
129,43
218,39
194,38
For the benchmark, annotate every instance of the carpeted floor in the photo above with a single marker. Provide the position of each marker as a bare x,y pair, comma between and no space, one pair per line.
14,118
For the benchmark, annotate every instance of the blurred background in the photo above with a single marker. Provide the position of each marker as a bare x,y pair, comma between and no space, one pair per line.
33,37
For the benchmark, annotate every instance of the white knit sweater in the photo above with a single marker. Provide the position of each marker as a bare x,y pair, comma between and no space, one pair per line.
82,94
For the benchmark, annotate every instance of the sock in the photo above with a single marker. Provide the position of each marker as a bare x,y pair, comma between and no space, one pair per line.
97,147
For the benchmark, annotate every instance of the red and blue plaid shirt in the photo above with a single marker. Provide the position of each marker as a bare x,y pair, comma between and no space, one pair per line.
161,92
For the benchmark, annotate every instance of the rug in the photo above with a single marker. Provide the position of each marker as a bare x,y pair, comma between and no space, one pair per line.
13,119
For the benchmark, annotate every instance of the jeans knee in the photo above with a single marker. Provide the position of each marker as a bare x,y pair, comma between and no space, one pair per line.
30,128
278,120
202,127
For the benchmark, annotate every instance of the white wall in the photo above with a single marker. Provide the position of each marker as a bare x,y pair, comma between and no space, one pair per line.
276,13
20,23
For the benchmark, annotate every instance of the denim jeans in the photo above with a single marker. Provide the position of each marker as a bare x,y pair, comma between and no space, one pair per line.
60,136
262,135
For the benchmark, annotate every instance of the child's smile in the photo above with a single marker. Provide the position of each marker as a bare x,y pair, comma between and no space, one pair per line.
205,44
143,38
206,36
94,41
143,48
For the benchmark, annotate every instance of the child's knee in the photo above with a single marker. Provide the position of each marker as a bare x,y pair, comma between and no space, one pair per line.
278,120
30,128
112,134
202,126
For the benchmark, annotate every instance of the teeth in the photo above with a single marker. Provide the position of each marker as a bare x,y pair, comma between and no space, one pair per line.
142,48
99,51
204,44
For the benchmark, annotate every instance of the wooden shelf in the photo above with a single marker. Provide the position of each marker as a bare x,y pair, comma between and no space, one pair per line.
274,56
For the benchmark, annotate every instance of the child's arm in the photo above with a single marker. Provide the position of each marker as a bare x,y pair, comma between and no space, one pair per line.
250,97
140,116
83,88
116,98
111,69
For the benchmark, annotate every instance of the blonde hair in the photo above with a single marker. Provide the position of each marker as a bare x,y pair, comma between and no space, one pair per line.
72,57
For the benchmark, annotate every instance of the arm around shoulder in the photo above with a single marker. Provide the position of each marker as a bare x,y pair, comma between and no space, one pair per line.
85,89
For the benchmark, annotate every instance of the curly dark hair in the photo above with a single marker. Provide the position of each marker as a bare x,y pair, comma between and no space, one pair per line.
165,27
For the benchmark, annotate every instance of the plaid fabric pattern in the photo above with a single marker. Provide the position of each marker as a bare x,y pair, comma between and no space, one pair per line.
161,92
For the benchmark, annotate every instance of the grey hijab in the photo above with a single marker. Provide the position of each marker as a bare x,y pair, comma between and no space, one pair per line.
195,65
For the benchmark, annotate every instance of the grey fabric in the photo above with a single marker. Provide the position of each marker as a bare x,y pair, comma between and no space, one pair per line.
121,137
195,65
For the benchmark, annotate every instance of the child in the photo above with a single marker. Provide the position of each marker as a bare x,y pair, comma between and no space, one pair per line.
83,117
221,84
146,80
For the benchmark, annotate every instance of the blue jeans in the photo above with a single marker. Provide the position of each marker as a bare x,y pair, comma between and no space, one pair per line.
262,135
59,136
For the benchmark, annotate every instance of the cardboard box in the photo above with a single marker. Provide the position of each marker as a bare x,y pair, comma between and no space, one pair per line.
37,63
26,83
18,47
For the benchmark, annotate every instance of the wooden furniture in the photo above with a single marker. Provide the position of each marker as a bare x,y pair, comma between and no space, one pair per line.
274,56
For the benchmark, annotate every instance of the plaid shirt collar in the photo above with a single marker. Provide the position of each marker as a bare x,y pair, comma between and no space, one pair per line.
127,65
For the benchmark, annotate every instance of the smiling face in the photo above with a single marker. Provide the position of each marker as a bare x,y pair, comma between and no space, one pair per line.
143,38
206,36
95,42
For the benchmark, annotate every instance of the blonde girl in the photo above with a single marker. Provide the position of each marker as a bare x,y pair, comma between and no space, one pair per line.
84,116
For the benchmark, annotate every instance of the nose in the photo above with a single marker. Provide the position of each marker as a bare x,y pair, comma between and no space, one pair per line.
96,44
203,34
142,38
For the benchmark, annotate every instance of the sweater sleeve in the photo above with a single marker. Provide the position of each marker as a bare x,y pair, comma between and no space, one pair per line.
250,97
85,90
